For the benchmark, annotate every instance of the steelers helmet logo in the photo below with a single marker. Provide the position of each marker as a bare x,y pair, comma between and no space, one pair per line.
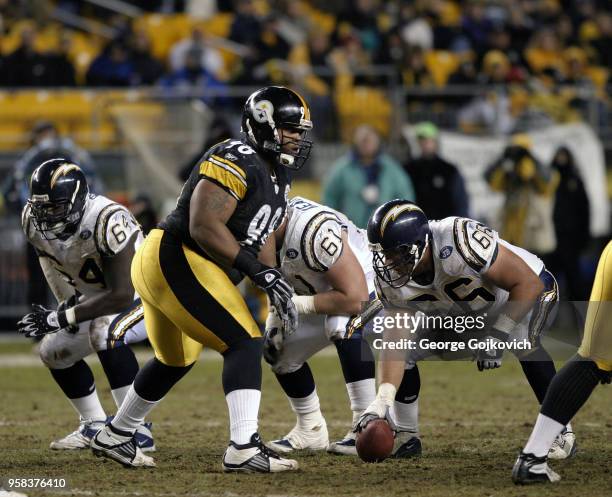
262,111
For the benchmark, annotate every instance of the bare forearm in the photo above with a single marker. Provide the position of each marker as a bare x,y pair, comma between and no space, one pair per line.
336,302
521,299
103,304
217,241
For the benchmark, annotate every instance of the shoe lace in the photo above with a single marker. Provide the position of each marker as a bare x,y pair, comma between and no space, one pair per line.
267,451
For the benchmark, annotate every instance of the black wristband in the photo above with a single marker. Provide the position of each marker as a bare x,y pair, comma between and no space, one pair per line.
62,320
246,263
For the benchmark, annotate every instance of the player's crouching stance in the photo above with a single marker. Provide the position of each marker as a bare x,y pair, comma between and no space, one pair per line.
328,262
186,272
458,260
85,245
574,383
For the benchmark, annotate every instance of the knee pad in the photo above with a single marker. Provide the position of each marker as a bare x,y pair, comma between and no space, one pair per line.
55,354
335,327
98,332
281,368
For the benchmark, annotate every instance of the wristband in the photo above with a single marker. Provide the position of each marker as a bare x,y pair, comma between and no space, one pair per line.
505,324
304,304
386,392
247,263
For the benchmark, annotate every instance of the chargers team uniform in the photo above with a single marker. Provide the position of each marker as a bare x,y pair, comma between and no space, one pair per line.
191,300
463,250
105,229
312,244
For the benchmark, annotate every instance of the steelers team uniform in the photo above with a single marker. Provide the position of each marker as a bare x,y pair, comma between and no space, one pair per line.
190,300
597,339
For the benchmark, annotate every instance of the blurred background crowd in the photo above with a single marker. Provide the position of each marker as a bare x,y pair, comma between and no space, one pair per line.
139,89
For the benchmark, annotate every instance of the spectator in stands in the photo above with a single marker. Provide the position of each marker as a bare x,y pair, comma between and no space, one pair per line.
490,112
194,78
544,52
438,184
365,178
529,189
360,19
25,66
112,67
147,69
602,43
246,26
572,220
46,144
61,70
475,25
210,58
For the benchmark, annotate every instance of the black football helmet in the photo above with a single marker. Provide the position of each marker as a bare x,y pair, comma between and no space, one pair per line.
399,234
270,109
58,194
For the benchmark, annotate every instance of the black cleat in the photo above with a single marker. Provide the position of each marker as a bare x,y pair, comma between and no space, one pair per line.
531,469
410,448
255,457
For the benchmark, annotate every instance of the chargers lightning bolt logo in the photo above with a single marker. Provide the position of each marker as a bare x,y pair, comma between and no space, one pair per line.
394,212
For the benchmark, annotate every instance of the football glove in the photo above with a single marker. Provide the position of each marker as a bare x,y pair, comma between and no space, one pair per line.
279,292
378,409
42,322
489,358
273,338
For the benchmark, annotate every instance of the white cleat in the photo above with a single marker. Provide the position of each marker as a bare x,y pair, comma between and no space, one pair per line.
564,446
315,438
344,447
255,457
120,446
80,438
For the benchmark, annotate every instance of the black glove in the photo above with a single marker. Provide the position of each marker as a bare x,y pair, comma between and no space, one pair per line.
42,322
272,282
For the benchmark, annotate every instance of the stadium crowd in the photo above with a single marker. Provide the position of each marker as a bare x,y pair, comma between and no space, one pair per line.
536,56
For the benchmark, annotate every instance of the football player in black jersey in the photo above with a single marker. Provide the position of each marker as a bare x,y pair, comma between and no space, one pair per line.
186,272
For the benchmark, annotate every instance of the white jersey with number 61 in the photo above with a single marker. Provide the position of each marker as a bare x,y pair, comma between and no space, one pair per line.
313,243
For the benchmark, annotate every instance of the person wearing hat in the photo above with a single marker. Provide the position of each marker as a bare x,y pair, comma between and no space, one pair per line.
439,186
364,178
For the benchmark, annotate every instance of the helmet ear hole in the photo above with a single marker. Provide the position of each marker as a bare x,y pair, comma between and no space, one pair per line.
269,110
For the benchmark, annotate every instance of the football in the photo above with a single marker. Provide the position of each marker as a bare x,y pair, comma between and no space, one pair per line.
375,442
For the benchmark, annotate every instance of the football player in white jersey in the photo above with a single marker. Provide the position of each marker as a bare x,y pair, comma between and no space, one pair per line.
85,245
458,262
327,260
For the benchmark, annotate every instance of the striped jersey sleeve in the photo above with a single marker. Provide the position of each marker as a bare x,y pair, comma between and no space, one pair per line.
226,174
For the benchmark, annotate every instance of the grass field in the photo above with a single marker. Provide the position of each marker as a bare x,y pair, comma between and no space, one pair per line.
472,424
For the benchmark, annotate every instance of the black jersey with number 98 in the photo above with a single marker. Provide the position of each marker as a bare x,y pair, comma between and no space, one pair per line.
240,171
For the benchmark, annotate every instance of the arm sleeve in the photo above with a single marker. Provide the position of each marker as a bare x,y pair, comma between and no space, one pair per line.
226,174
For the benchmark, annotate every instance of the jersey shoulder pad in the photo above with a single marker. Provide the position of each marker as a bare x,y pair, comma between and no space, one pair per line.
321,242
114,228
476,243
26,221
228,164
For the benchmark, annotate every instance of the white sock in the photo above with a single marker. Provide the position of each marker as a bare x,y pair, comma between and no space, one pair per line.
361,393
543,435
132,412
406,416
119,394
307,410
243,408
89,407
